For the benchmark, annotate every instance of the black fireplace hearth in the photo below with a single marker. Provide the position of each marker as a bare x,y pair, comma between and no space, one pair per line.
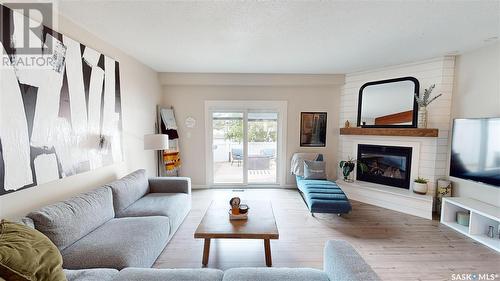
387,165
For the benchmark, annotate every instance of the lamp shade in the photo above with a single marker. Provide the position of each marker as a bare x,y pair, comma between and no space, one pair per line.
155,142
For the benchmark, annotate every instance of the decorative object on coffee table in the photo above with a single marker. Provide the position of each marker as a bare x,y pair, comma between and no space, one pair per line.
443,190
420,186
238,211
261,224
347,167
237,217
235,205
423,102
244,208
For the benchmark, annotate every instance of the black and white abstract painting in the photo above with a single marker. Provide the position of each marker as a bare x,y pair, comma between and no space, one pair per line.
60,114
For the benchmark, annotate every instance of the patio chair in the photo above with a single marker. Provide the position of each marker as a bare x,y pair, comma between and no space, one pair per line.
269,152
236,156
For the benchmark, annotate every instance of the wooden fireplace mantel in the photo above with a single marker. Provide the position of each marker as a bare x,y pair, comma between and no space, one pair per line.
404,132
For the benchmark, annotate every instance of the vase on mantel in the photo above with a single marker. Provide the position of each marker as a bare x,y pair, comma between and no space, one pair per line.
422,117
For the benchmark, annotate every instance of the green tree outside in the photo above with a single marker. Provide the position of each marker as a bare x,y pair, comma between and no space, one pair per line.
258,131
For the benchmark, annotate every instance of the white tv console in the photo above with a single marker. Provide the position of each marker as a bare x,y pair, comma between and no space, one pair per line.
482,215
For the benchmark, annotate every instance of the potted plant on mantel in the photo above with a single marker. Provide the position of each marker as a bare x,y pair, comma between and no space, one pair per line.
423,101
348,165
420,186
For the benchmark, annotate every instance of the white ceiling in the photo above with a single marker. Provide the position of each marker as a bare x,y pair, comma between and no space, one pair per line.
286,36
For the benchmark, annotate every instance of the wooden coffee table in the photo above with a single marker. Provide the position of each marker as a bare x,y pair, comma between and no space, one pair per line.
259,225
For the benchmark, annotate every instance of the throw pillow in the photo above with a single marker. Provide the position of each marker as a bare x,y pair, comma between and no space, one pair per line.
314,170
28,255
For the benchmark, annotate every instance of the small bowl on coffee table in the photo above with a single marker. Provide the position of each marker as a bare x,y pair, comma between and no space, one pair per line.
243,208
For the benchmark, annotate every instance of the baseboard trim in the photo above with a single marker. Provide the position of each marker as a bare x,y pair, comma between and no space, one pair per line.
204,186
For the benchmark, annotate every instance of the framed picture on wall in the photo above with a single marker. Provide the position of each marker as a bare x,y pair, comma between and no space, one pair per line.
313,129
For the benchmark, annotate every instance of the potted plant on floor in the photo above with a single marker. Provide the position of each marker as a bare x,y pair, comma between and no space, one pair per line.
420,185
348,166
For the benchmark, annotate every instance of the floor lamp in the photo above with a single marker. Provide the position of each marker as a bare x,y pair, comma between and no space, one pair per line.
158,142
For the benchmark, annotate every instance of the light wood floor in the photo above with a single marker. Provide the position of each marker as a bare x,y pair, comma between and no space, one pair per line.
397,246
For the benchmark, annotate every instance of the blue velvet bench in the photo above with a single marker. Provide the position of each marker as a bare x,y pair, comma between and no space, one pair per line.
323,196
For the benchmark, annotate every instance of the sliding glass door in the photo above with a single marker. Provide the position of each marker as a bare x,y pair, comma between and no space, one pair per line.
227,146
245,146
262,132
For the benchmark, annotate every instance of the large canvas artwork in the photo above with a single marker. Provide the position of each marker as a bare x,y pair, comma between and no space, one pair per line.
60,118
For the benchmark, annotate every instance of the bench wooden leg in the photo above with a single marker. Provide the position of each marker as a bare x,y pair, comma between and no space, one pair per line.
267,249
206,251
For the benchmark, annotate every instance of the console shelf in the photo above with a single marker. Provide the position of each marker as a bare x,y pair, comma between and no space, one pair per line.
482,215
402,132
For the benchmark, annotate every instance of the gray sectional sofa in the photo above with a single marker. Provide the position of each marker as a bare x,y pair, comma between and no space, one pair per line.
341,263
117,231
126,223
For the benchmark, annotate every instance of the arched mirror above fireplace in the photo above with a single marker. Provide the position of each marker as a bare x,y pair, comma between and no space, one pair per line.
388,103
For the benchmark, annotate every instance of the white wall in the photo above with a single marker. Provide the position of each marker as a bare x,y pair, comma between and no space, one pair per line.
433,151
477,94
187,93
140,92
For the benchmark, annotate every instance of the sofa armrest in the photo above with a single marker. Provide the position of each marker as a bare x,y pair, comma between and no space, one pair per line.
170,185
101,274
341,262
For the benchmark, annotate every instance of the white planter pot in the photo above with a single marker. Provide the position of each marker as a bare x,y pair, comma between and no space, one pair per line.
420,188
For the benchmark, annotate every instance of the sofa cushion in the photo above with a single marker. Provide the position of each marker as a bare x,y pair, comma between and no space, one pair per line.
314,170
170,185
272,274
120,243
150,274
129,189
173,205
94,274
67,221
27,254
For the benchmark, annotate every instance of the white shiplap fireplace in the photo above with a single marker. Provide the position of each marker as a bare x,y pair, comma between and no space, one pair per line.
429,154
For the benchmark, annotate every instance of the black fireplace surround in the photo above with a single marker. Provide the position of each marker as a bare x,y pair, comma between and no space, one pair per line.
387,165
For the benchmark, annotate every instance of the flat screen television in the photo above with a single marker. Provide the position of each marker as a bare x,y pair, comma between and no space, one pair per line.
475,150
